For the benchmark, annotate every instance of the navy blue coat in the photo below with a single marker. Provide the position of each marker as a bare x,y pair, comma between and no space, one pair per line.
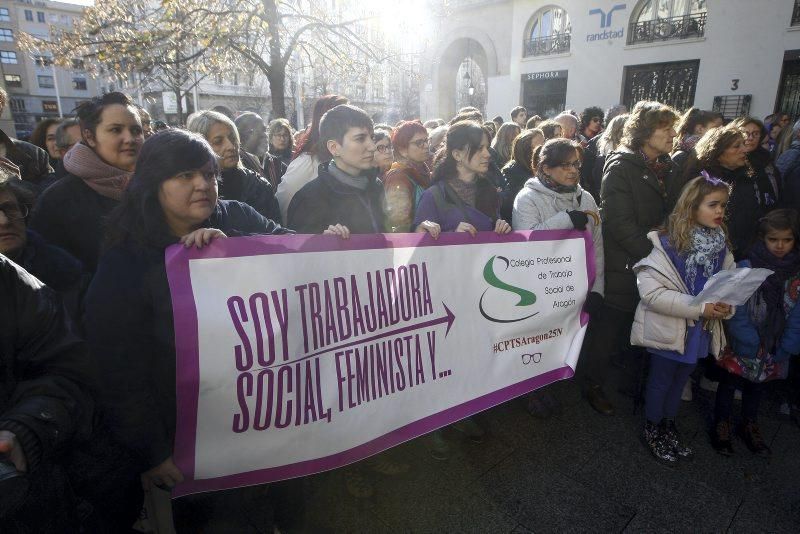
130,332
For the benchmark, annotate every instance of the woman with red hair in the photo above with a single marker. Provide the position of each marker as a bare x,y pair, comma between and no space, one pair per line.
408,177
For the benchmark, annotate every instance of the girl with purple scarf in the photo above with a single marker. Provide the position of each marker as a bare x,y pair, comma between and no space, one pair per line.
676,331
765,331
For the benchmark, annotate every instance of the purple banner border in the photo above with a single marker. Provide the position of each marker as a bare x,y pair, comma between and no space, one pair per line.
177,260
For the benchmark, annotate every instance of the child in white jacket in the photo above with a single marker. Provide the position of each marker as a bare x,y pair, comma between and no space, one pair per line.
677,333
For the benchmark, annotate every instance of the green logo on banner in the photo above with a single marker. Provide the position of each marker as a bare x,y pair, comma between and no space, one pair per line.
526,298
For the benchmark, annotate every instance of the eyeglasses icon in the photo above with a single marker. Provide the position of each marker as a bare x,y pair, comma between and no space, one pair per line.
527,359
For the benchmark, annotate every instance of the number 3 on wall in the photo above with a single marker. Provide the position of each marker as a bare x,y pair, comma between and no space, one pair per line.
734,84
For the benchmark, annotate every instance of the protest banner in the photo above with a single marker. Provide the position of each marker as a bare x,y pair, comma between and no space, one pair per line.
299,354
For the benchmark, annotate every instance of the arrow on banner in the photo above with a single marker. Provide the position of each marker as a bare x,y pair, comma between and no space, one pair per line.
448,318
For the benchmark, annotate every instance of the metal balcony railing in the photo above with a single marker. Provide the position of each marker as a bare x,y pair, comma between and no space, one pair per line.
683,27
545,46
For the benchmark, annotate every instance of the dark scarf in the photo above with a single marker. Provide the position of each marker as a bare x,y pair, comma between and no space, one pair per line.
552,185
659,166
766,307
479,194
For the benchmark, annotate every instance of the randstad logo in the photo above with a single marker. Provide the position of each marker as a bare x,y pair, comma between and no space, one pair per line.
493,307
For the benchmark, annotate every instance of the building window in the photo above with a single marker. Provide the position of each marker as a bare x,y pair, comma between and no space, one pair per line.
6,35
13,80
4,15
79,84
732,106
669,83
548,32
29,15
664,20
40,16
8,57
78,64
18,105
795,14
46,82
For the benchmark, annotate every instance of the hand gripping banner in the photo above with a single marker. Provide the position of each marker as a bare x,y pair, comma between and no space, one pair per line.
299,354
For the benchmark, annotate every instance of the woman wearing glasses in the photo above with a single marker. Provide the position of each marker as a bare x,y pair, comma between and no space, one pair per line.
554,200
281,140
758,157
722,152
408,177
383,157
52,265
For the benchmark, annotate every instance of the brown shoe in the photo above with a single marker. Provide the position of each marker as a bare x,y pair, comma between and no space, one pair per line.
597,399
752,437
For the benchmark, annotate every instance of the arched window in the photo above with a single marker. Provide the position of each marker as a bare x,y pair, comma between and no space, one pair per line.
548,32
664,20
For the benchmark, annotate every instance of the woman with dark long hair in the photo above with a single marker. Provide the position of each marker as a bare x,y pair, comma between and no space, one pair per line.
172,198
309,153
44,136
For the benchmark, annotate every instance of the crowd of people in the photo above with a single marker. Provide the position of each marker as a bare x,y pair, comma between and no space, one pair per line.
87,208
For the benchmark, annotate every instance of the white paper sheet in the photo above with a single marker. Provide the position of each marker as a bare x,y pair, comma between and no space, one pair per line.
732,286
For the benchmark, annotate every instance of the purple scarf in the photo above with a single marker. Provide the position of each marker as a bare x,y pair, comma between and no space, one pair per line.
766,306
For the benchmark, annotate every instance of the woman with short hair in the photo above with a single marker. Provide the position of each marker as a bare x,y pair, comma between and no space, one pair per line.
519,169
635,196
236,181
408,177
722,153
759,158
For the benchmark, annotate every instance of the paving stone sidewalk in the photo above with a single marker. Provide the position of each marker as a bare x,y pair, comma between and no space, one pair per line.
575,472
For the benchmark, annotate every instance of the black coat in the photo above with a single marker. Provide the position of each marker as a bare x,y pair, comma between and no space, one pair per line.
751,198
130,331
71,215
33,162
515,176
325,201
633,204
246,186
46,375
591,170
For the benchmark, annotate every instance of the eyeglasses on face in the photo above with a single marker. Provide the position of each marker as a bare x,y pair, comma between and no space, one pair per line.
751,135
383,148
420,143
13,211
576,164
281,135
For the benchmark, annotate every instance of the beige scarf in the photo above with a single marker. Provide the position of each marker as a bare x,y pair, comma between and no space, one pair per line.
107,180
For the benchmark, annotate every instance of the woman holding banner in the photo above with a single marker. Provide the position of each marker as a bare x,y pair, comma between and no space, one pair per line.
172,198
554,200
461,199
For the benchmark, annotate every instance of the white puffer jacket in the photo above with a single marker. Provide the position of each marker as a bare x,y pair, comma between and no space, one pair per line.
665,311
539,208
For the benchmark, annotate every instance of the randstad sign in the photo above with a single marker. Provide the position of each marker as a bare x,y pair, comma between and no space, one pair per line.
605,18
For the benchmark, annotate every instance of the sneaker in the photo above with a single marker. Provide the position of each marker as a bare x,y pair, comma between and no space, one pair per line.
656,441
470,428
537,407
721,438
686,394
680,449
357,486
752,437
597,399
440,450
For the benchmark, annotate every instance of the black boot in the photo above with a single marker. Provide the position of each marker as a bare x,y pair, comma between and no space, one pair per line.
752,437
597,398
656,440
680,449
721,438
